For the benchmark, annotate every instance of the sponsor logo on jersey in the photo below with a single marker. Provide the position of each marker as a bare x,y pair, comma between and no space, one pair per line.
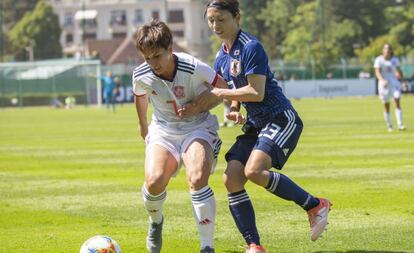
179,91
236,52
235,67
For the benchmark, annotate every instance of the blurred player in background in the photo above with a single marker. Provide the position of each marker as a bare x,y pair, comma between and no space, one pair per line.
389,75
226,111
271,130
171,80
109,86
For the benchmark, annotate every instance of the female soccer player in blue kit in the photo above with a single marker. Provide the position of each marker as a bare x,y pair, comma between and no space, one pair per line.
271,129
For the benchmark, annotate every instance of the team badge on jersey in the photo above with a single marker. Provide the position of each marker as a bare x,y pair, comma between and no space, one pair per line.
179,91
235,67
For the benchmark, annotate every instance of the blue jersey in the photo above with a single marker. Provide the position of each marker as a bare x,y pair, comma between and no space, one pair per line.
109,84
247,56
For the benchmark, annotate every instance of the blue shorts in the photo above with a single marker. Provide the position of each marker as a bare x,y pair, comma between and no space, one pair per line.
278,139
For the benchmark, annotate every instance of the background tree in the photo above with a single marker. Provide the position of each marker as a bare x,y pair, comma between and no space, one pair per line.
400,35
366,16
250,16
38,29
215,46
276,16
11,11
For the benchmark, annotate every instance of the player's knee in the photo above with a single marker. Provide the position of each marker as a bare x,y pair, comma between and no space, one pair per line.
197,181
155,184
252,174
227,181
234,183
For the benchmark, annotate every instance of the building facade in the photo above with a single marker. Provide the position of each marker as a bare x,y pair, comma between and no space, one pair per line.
112,19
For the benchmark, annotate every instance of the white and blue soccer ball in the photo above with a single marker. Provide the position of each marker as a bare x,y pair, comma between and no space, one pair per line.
100,244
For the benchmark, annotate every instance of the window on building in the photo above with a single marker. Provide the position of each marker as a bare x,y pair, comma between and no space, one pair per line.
178,33
155,14
176,16
68,19
89,36
69,38
89,23
139,17
118,17
119,35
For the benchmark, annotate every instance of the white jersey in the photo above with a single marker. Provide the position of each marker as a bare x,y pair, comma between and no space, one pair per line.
167,96
388,68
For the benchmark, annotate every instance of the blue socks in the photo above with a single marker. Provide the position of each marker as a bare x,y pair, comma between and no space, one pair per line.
243,214
283,187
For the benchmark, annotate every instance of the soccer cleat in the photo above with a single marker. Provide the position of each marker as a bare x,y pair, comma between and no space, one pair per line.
318,218
253,248
401,128
207,250
154,237
390,129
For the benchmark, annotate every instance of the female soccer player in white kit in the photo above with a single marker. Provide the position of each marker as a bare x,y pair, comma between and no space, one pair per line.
171,80
389,74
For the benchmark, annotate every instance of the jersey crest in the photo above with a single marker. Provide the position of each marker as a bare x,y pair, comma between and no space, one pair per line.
179,91
235,67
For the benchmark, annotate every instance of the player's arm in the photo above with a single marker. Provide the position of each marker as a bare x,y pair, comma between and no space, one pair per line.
141,106
378,74
377,67
253,92
235,114
205,101
399,74
254,62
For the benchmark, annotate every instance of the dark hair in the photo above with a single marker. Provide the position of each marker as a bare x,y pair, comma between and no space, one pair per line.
231,6
153,35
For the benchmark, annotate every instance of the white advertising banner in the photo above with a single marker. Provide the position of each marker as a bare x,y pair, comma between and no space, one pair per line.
329,88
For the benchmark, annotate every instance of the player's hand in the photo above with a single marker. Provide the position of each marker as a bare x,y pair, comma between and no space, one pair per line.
218,92
237,117
188,110
383,83
143,129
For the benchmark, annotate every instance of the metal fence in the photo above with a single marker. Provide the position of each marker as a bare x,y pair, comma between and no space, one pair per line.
49,82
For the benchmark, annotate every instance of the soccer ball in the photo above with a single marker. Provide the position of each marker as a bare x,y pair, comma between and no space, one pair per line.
100,244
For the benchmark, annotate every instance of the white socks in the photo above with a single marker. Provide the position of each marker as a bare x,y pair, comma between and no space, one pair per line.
387,119
153,204
398,115
204,209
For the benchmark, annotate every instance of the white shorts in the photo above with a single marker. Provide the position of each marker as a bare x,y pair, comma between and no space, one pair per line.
391,90
178,142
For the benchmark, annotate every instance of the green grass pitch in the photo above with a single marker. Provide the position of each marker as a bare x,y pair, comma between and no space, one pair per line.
66,175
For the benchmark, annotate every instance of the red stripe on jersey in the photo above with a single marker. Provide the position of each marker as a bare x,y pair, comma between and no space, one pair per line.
138,95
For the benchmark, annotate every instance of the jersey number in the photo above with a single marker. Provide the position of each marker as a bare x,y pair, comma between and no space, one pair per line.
270,131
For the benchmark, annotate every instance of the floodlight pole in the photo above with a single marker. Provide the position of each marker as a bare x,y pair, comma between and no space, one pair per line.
1,31
1,53
166,10
83,54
